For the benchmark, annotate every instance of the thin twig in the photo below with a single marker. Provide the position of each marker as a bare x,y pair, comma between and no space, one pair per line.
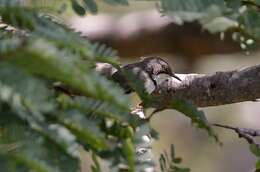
246,133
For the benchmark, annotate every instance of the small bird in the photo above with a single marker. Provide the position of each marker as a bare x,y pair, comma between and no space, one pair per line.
148,68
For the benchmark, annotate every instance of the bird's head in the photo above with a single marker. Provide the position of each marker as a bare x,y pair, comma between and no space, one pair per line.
157,65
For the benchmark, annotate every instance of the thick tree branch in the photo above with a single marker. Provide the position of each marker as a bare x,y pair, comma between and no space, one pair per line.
211,90
208,90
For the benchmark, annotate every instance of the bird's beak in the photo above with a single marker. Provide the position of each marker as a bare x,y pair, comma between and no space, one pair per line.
175,76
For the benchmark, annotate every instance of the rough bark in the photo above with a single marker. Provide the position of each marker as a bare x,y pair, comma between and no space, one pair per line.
203,90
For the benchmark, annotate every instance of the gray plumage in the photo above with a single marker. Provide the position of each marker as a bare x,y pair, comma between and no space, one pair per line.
148,68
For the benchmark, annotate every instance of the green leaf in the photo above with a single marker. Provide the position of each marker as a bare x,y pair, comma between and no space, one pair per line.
84,130
117,2
97,167
38,52
94,108
57,32
31,151
197,117
15,81
102,52
220,24
91,6
172,152
77,8
162,162
42,58
19,17
9,44
251,20
257,165
255,150
29,104
140,87
211,14
171,164
129,153
32,164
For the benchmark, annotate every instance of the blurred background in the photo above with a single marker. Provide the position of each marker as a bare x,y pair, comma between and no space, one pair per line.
140,30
